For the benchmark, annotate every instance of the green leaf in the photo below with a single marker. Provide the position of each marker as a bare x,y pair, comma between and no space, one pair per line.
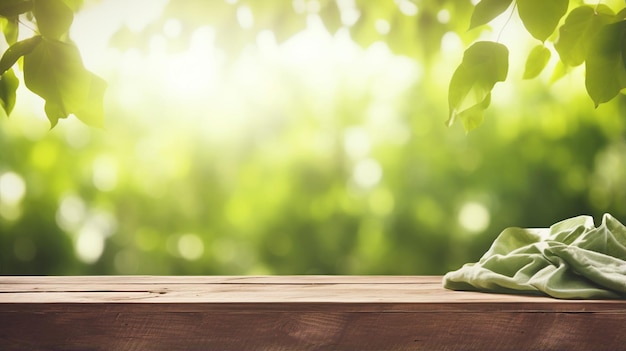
14,8
54,71
74,4
474,116
536,62
92,111
484,64
54,18
8,87
55,112
540,17
486,10
578,32
17,50
560,70
10,29
605,74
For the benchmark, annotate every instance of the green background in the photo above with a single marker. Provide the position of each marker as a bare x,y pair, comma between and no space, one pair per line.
283,152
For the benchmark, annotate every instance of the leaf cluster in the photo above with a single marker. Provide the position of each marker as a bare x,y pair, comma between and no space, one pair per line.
51,62
581,34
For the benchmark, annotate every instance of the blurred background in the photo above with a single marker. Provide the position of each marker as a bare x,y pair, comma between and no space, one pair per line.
296,137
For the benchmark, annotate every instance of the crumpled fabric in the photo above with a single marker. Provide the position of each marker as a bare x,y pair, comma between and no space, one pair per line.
570,260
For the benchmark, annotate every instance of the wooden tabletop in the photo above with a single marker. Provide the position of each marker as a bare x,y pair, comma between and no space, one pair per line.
256,289
292,313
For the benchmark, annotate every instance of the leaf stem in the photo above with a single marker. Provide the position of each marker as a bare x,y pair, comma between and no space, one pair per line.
27,25
507,22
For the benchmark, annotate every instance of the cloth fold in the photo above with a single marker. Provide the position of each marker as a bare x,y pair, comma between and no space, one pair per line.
572,259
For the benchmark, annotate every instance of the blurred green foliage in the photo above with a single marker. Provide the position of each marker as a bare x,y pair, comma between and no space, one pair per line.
299,152
51,63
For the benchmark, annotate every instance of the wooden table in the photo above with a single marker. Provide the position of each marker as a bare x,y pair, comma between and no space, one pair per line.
292,313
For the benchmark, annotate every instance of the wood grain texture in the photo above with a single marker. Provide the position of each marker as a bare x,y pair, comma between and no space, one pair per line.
293,313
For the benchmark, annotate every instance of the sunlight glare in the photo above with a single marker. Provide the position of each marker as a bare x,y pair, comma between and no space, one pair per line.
266,41
451,44
382,26
367,173
71,213
245,17
172,28
349,12
474,217
12,188
212,89
190,247
192,74
12,191
105,173
443,16
313,6
299,6
139,12
97,21
89,245
357,143
407,7
91,237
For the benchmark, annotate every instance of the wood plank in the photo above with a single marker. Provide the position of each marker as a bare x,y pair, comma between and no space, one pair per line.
293,313
284,279
185,289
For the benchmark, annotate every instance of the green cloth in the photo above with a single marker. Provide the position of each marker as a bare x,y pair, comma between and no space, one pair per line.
571,260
